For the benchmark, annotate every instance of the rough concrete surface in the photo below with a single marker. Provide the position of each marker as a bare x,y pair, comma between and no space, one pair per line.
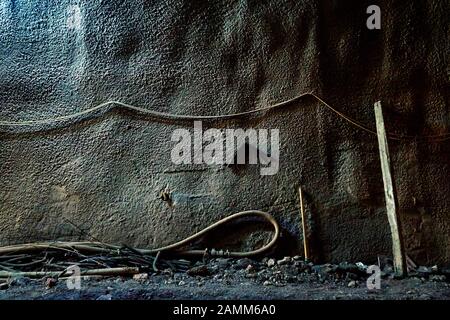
216,57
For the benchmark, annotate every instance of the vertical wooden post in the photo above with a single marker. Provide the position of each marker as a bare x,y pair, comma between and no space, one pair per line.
303,216
390,195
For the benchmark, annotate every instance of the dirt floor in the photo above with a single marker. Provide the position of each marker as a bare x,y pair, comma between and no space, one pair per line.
244,279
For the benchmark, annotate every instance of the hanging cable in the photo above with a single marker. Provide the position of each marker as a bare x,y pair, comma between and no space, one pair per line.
109,105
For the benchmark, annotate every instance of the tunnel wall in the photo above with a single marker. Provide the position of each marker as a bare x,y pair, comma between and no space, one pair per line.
104,172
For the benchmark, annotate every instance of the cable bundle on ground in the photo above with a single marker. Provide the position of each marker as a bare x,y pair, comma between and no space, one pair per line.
97,258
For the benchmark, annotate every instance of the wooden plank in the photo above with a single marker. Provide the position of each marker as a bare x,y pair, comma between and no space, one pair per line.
303,216
98,272
390,195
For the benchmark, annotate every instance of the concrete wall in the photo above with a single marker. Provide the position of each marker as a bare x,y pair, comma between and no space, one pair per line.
216,57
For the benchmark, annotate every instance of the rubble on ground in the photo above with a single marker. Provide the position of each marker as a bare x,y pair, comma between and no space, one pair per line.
290,273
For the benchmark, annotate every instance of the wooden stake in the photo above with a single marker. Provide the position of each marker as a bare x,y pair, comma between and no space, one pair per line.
302,212
390,195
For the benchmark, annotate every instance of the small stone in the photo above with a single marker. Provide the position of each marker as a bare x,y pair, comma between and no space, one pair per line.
250,269
300,265
181,283
284,261
267,283
4,286
140,276
50,283
297,258
270,263
243,263
361,266
223,263
438,278
167,272
104,297
435,269
352,284
424,270
201,271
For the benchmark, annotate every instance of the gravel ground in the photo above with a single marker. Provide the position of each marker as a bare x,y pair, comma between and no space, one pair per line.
244,279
